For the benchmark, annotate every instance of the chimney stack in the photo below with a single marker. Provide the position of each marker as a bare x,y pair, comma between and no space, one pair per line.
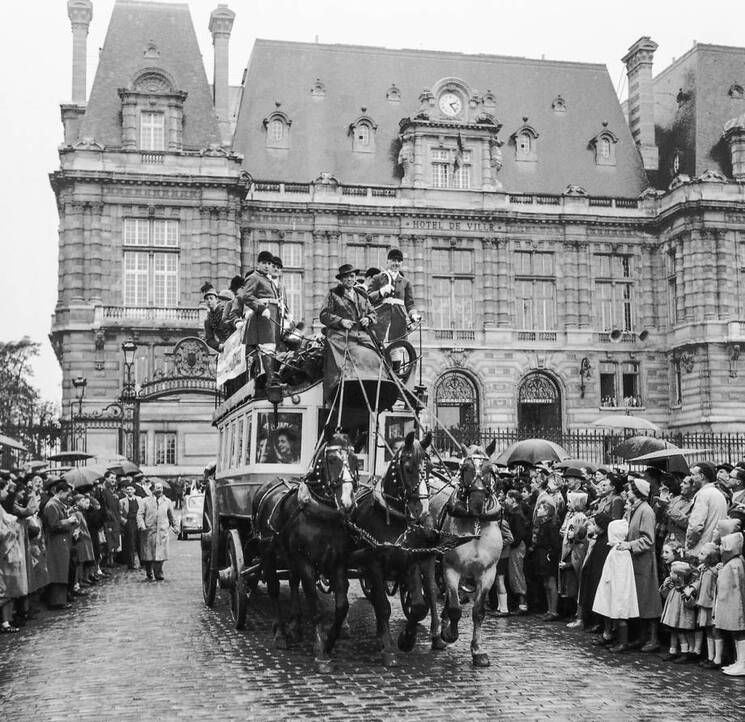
80,13
638,61
221,24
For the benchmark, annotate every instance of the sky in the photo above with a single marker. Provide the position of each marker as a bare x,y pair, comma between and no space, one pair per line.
36,52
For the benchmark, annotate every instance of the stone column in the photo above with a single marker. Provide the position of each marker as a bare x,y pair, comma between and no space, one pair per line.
708,245
319,276
505,291
725,279
80,13
419,278
130,141
568,274
419,162
490,283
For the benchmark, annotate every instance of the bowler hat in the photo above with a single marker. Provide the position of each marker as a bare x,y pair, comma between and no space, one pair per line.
265,257
573,472
395,255
372,272
55,482
277,261
345,270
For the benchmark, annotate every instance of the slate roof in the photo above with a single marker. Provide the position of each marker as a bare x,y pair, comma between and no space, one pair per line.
694,121
357,76
132,27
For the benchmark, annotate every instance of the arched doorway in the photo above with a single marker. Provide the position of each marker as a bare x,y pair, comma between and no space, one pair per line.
457,406
538,403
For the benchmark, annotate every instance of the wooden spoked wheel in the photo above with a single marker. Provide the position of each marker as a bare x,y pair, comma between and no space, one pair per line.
210,543
406,355
405,596
239,589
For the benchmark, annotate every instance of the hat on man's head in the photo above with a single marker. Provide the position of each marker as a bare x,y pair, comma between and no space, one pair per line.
603,469
345,270
574,473
235,283
208,290
54,483
225,295
137,475
277,261
640,487
727,467
372,271
265,257
395,255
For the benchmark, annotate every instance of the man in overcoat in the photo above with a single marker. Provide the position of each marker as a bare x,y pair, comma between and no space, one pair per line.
261,295
392,297
112,526
129,507
154,520
59,522
347,315
709,508
216,327
640,542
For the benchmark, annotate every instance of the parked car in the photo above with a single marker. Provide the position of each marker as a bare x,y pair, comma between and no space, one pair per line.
191,516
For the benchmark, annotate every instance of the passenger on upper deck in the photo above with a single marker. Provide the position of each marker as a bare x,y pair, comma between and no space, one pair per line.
216,330
347,315
260,293
391,295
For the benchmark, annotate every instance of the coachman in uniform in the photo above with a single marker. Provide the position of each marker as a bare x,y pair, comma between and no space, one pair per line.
261,294
391,295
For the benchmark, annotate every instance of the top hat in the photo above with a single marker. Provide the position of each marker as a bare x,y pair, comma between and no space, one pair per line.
346,269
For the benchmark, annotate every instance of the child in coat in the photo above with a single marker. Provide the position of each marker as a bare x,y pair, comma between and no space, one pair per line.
547,546
729,608
615,598
678,614
704,591
573,545
85,559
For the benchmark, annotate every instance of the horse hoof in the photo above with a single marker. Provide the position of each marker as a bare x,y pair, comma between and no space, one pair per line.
448,635
418,612
324,666
406,641
389,659
481,660
438,643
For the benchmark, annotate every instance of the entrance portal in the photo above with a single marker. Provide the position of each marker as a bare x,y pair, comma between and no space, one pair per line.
538,403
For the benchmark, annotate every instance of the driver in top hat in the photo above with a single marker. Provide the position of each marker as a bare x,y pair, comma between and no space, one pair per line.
393,299
346,305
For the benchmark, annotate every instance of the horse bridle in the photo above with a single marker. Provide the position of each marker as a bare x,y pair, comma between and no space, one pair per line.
323,475
406,494
479,475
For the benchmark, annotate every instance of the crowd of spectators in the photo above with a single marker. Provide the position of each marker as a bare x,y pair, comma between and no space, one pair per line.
56,541
650,561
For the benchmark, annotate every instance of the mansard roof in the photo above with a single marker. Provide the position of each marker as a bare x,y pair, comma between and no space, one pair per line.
150,35
355,77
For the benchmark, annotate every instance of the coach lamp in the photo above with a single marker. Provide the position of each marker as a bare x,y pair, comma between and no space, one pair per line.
274,397
128,348
585,372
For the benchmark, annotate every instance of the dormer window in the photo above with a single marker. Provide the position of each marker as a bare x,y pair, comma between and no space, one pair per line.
152,131
277,126
525,139
363,134
152,114
604,144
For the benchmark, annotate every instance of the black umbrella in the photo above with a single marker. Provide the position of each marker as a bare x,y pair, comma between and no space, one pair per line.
82,476
576,464
530,451
639,445
124,467
70,456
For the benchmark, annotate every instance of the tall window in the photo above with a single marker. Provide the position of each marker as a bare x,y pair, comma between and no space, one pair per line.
276,130
440,168
619,384
452,289
523,144
462,171
152,131
614,292
367,256
151,262
143,447
671,268
165,447
677,379
535,290
292,273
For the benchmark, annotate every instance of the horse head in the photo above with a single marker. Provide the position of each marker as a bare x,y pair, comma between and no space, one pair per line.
406,477
338,470
477,479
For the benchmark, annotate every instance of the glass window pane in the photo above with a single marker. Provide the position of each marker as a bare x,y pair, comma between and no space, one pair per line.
292,282
462,261
165,279
135,278
441,302
440,261
281,445
463,311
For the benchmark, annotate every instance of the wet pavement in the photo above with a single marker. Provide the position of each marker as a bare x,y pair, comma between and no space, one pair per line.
152,651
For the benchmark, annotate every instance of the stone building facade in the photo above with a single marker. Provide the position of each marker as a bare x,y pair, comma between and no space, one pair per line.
566,264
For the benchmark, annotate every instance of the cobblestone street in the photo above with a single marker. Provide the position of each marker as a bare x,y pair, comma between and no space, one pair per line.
136,651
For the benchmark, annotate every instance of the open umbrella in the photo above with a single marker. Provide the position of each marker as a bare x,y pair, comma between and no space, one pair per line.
530,451
625,421
576,464
70,456
82,476
124,467
635,446
672,460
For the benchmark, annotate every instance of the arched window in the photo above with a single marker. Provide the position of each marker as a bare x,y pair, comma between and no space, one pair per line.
604,148
525,140
457,406
604,145
363,134
276,130
538,403
523,144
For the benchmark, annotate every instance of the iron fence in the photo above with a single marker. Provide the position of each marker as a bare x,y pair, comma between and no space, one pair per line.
592,445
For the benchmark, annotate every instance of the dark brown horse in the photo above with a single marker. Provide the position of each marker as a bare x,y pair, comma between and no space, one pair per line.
395,520
305,532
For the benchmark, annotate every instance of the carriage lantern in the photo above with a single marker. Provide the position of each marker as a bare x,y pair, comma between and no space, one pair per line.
274,397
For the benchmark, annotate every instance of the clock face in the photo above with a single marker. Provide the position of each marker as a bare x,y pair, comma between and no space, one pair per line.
450,104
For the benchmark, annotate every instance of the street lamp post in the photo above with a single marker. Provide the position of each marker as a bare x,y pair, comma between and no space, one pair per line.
130,400
78,429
